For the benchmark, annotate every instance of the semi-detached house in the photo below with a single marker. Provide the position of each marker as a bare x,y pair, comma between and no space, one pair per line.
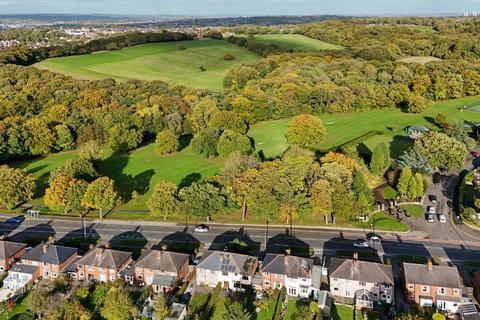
234,271
10,252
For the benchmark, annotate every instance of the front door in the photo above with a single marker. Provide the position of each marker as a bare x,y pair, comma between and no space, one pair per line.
225,284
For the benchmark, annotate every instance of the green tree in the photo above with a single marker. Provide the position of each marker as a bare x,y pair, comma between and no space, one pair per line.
80,169
118,305
415,160
321,198
166,142
412,188
227,120
90,150
64,193
363,193
380,159
205,143
417,104
164,201
123,139
342,202
419,184
16,187
404,182
235,311
160,308
40,138
100,195
63,138
305,129
438,316
202,199
442,151
231,141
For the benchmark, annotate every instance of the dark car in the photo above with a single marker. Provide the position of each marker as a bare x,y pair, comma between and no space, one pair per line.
436,178
433,198
17,219
186,298
374,237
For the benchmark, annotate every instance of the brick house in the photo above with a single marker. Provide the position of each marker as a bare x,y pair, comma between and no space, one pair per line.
163,270
234,271
10,252
362,283
51,259
101,264
432,286
292,272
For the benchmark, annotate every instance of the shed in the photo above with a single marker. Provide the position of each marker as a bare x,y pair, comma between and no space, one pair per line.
325,302
178,312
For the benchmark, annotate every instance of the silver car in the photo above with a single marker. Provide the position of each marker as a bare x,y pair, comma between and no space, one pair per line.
442,218
201,228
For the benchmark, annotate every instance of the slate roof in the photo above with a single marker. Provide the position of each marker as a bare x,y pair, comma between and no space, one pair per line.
8,249
105,258
228,262
371,272
164,261
439,276
296,267
24,268
54,254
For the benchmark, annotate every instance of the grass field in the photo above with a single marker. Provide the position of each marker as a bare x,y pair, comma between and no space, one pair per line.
157,61
296,41
137,171
269,136
419,59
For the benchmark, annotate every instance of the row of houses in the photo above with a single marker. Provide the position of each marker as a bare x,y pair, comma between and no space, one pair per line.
350,281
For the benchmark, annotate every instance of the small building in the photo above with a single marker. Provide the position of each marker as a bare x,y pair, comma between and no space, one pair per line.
19,276
292,272
177,312
102,264
416,131
234,271
51,259
362,283
325,302
468,311
432,286
10,252
163,270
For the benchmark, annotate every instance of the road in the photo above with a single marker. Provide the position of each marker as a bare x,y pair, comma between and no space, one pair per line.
323,242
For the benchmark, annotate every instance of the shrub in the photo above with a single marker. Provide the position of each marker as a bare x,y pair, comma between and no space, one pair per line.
166,142
227,56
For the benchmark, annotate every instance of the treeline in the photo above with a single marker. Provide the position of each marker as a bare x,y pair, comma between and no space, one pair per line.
262,49
27,56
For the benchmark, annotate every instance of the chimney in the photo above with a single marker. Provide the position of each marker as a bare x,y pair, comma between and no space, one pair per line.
107,245
100,252
221,257
3,237
355,262
164,247
159,253
91,246
429,264
45,247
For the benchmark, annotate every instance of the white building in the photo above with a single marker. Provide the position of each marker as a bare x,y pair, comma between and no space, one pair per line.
234,271
19,276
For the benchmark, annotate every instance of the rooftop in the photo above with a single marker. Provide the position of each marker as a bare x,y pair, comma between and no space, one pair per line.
50,253
440,276
228,262
358,270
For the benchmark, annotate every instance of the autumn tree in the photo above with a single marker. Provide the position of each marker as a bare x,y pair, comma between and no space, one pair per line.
404,182
417,104
363,194
160,308
380,159
16,187
63,138
118,305
231,141
205,143
288,211
442,151
305,129
240,187
166,142
321,198
100,195
90,150
40,138
164,200
202,199
65,193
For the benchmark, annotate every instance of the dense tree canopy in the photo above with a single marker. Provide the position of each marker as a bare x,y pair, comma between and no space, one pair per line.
305,129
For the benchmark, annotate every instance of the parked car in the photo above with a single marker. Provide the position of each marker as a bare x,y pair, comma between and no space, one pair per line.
17,219
201,228
374,237
442,218
433,198
361,243
186,298
436,178
430,218
431,210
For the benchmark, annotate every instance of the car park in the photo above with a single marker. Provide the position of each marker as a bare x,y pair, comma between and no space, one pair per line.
374,237
431,210
201,228
430,218
17,219
361,243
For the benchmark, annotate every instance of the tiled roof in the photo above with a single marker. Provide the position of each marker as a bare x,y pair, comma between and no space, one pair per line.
291,266
105,258
8,249
366,271
228,262
439,276
162,260
24,268
53,254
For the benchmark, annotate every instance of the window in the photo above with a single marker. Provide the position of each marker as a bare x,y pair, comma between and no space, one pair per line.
347,293
244,277
292,291
80,266
441,290
335,288
112,277
54,275
455,291
80,274
334,279
267,283
362,283
140,278
279,276
224,273
266,274
410,286
424,289
45,264
375,285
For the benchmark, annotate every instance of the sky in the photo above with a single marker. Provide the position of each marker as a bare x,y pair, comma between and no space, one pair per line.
239,7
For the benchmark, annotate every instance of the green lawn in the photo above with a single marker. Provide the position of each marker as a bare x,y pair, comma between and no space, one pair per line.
383,221
269,136
20,307
138,171
342,312
157,61
296,41
269,311
198,303
415,210
219,308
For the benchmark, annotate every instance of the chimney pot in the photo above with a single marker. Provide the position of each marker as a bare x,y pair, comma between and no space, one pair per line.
45,248
286,259
429,264
91,246
100,252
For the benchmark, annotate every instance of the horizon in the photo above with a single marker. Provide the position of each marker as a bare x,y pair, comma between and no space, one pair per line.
238,8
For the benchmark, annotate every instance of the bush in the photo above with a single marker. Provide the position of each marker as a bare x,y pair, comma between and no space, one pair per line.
228,56
166,142
278,307
211,303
